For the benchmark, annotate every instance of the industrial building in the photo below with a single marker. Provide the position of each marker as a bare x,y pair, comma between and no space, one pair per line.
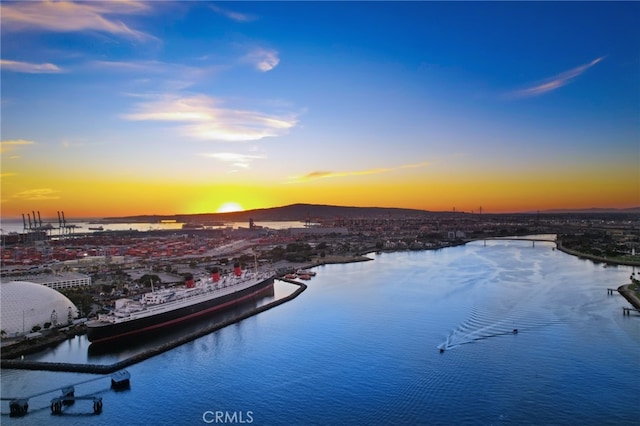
58,281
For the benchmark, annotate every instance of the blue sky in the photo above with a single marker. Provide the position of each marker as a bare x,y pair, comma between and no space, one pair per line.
404,104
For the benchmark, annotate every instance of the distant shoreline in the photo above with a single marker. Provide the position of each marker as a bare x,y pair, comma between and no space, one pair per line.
362,257
595,258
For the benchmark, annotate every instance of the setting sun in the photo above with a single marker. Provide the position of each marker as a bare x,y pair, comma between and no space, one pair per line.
230,207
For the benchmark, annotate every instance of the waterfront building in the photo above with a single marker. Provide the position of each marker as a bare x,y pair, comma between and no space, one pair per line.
58,281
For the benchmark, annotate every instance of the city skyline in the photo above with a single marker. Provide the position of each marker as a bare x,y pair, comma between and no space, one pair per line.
130,108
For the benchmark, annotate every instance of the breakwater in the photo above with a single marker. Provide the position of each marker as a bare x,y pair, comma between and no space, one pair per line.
156,350
627,292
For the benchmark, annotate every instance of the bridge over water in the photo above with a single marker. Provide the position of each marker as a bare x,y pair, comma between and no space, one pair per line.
532,239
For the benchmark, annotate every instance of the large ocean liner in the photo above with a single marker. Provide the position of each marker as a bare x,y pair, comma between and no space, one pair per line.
163,308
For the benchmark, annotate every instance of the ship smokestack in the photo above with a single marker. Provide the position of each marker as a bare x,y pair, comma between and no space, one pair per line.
236,269
188,281
215,275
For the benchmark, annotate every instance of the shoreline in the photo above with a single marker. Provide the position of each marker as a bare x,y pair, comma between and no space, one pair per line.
27,347
595,258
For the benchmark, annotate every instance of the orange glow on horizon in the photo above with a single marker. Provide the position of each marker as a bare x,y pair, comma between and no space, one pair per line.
94,196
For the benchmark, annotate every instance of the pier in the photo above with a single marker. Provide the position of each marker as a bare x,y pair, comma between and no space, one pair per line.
623,291
19,406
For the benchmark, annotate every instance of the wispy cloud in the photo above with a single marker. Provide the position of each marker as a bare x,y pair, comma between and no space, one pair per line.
153,67
205,118
555,82
11,145
235,16
242,161
263,59
66,16
27,67
37,194
170,76
66,144
124,66
330,174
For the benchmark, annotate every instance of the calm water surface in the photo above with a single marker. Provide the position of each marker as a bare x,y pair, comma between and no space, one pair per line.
361,346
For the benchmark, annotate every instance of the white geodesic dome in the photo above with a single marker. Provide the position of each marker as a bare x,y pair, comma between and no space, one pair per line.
24,305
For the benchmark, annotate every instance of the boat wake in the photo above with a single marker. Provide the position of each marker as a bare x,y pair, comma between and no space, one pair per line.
485,325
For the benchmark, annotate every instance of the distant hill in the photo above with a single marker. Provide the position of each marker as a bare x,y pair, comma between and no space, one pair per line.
311,211
595,210
303,212
293,212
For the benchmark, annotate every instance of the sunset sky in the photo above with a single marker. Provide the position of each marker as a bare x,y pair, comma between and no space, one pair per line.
124,108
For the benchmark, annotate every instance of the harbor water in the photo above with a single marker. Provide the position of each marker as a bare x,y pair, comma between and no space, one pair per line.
362,345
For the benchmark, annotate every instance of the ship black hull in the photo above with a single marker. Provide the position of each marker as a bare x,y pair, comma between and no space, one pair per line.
105,333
